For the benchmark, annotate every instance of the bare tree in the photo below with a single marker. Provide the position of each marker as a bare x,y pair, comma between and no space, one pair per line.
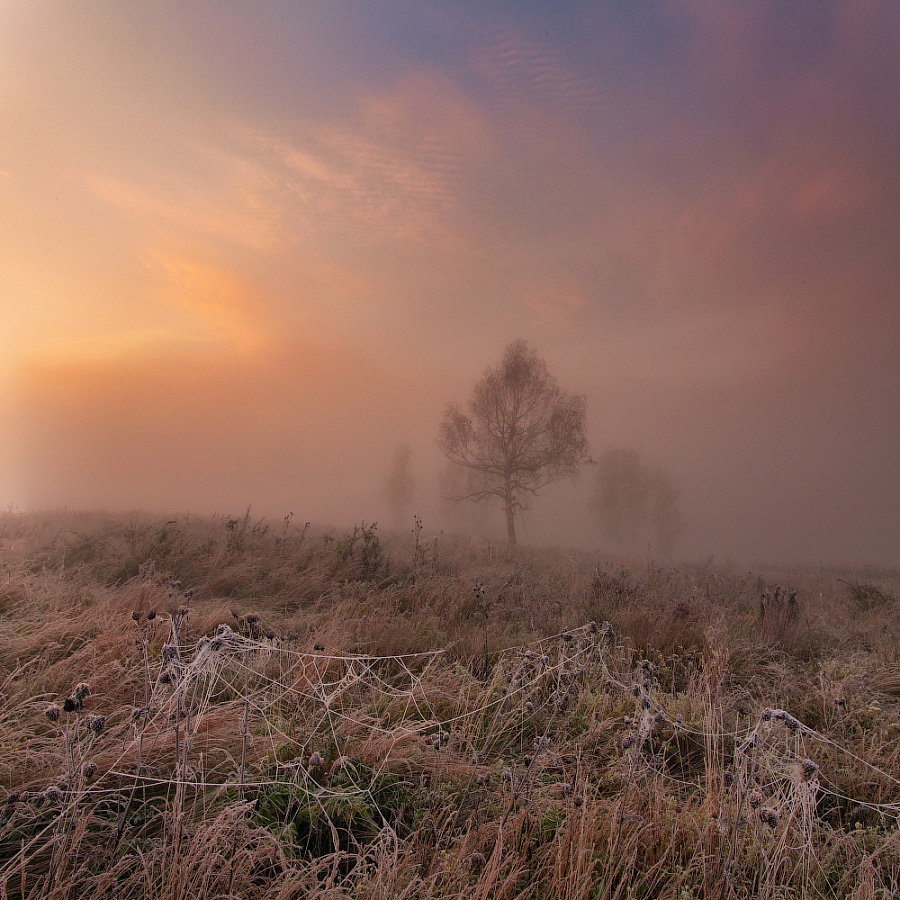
400,486
667,524
634,504
522,433
621,492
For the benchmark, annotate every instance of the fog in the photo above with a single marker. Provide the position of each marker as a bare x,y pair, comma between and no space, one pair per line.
245,255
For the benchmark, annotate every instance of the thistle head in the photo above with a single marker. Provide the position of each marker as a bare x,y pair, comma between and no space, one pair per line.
808,769
96,724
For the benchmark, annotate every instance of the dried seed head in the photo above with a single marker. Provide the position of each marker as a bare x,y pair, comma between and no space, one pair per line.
72,704
183,611
792,723
636,690
578,800
169,652
138,713
90,770
436,741
188,593
627,741
224,631
316,761
593,628
567,788
567,637
445,737
808,769
151,615
756,800
216,644
136,616
251,618
54,795
527,760
52,712
729,779
477,860
529,706
82,690
96,724
165,678
769,816
505,775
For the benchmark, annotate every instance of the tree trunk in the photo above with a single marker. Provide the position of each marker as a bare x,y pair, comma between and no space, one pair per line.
511,524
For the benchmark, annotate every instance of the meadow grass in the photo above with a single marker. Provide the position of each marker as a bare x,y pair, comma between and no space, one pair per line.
212,707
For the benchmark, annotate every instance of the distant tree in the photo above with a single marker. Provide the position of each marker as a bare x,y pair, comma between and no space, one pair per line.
400,486
522,433
635,505
666,522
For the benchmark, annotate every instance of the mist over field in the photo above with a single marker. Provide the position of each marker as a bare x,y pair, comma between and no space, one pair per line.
246,254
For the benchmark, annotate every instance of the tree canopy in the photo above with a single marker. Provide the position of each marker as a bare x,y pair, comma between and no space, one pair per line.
636,505
400,486
521,433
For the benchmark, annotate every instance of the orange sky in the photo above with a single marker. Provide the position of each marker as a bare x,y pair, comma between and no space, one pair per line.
247,251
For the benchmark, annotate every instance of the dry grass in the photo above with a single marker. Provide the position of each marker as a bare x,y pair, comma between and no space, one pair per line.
289,713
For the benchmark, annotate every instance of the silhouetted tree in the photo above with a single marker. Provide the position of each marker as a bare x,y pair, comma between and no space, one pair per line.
400,486
634,504
666,522
522,433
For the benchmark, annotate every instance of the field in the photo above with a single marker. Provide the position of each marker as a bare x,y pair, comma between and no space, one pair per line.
232,708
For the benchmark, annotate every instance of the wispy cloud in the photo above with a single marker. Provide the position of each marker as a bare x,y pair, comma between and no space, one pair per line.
178,204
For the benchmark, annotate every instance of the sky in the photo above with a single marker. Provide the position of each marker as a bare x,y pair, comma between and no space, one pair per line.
248,250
